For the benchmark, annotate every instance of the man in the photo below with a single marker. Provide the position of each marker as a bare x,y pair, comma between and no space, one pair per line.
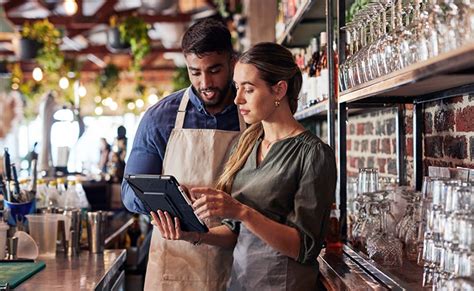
190,140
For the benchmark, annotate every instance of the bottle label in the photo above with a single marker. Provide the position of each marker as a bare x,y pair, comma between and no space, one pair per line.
324,84
313,81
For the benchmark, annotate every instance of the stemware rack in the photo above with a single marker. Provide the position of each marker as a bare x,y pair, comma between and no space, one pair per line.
447,75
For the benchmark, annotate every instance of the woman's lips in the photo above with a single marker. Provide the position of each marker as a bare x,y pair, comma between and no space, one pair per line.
244,112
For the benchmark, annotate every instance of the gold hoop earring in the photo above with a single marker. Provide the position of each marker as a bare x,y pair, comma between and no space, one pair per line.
277,103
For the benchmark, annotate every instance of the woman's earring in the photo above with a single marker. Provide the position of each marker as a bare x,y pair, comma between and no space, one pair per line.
277,103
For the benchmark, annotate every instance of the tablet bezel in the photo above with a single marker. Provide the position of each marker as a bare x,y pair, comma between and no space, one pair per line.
146,196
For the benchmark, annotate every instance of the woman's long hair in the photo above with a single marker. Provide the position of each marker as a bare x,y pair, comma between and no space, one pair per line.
274,63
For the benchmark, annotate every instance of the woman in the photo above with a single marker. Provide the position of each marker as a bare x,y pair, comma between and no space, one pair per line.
282,179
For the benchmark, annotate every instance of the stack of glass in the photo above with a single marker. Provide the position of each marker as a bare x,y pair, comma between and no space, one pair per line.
418,30
373,222
448,244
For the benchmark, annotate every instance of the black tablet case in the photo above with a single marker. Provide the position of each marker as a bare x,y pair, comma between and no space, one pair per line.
162,192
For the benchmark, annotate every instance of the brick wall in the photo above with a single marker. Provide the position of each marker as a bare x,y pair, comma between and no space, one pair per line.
448,139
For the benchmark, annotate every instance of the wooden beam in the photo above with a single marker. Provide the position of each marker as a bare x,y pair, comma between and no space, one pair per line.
106,10
11,4
103,50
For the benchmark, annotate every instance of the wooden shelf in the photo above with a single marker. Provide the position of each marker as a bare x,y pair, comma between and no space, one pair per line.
319,109
446,71
308,21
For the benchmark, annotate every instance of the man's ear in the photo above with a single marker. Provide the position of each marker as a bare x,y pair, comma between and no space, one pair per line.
279,89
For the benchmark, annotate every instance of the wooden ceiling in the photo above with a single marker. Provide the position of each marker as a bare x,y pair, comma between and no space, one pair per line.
90,23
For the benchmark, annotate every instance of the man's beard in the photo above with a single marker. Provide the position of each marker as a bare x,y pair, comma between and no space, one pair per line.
221,94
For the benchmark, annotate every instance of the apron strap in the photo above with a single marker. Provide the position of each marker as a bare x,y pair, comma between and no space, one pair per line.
182,110
182,113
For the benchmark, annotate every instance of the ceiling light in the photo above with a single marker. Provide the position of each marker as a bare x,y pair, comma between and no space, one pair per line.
152,99
70,7
98,110
140,103
37,74
63,83
82,91
131,105
113,106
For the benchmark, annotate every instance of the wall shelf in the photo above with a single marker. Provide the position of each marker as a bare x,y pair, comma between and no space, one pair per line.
446,71
318,110
308,21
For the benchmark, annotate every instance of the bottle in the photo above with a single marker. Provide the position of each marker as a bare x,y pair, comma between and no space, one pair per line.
313,81
323,81
134,236
333,238
53,198
81,193
71,199
41,194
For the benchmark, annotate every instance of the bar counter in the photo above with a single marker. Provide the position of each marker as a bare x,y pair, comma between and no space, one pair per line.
84,272
352,270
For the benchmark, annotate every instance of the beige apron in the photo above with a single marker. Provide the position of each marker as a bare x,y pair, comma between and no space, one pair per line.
196,157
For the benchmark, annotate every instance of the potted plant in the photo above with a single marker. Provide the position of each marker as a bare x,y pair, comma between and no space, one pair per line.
44,36
135,31
114,41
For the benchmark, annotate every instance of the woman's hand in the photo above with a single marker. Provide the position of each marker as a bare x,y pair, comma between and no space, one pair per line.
170,230
216,203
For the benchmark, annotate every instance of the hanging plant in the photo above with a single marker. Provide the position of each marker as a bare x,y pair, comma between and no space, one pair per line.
134,30
108,80
49,56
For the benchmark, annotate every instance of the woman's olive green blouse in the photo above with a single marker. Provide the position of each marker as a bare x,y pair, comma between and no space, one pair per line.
294,185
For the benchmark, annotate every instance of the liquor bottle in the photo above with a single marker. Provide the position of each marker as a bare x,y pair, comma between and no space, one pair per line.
333,238
323,81
313,84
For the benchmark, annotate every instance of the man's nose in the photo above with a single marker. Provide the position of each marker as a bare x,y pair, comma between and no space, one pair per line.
206,81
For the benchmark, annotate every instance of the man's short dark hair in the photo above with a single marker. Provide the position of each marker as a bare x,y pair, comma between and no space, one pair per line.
206,36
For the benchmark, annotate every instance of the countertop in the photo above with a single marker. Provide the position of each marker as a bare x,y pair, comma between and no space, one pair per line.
84,272
352,270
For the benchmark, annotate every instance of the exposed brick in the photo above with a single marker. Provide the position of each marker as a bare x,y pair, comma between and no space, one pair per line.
370,162
379,128
409,147
353,162
394,145
381,165
360,163
454,100
433,146
465,119
373,146
409,125
392,166
384,146
444,120
356,145
351,129
349,144
471,147
455,147
391,126
360,129
365,146
369,128
471,97
428,122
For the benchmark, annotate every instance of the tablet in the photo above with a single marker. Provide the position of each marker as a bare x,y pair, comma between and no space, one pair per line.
163,192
